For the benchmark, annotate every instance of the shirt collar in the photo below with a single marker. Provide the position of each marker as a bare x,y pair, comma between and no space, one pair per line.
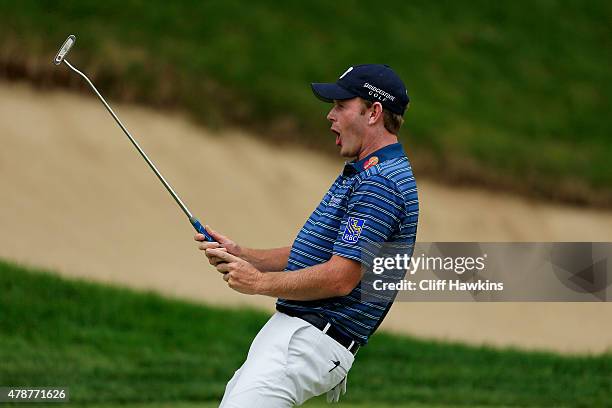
388,152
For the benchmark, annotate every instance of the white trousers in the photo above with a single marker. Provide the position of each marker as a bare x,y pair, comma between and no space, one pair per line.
289,362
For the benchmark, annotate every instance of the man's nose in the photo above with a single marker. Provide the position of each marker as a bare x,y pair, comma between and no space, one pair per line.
330,116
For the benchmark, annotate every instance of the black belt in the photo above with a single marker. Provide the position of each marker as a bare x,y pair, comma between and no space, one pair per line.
326,327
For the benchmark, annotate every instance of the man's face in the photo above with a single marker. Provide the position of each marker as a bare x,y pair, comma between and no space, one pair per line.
348,122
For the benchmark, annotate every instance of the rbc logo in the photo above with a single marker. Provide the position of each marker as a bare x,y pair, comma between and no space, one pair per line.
353,229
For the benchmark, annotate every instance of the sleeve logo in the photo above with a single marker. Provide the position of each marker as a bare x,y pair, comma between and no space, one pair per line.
353,229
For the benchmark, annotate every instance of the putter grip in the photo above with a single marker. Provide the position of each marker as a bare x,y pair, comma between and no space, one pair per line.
200,228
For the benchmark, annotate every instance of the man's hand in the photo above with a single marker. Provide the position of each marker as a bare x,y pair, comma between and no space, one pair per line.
238,273
221,241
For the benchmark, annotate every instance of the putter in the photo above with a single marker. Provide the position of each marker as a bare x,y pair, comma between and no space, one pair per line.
61,57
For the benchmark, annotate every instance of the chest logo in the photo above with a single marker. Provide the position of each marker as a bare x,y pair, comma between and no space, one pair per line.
353,229
372,161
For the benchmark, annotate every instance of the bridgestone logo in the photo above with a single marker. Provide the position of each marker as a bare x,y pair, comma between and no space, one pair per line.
379,91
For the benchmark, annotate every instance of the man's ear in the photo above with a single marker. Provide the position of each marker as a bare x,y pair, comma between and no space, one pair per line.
376,113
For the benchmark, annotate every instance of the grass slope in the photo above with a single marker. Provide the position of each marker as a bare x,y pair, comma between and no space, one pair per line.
502,91
114,346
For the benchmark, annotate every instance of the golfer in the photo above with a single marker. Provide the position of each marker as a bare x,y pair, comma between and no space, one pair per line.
308,346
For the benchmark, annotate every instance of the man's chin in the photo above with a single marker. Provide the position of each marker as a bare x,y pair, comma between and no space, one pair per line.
345,153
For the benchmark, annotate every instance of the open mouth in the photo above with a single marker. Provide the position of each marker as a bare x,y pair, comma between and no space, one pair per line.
338,141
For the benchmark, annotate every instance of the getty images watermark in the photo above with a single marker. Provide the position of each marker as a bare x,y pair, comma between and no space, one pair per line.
411,264
472,271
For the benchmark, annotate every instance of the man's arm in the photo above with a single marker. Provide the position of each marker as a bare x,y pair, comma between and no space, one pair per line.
272,260
263,259
336,277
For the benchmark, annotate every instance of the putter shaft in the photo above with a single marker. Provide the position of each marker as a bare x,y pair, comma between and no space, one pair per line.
194,221
127,133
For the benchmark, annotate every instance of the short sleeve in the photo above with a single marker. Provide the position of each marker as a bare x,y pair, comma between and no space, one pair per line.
374,213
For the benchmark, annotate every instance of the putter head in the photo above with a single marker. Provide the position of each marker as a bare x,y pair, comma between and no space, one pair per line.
61,54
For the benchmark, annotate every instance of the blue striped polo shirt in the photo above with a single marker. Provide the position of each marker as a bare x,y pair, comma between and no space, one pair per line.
374,200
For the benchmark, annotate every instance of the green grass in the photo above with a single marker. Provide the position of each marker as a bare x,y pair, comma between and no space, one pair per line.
513,92
313,404
112,346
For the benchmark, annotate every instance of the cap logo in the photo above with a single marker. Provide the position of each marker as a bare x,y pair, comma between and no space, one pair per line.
378,93
346,72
